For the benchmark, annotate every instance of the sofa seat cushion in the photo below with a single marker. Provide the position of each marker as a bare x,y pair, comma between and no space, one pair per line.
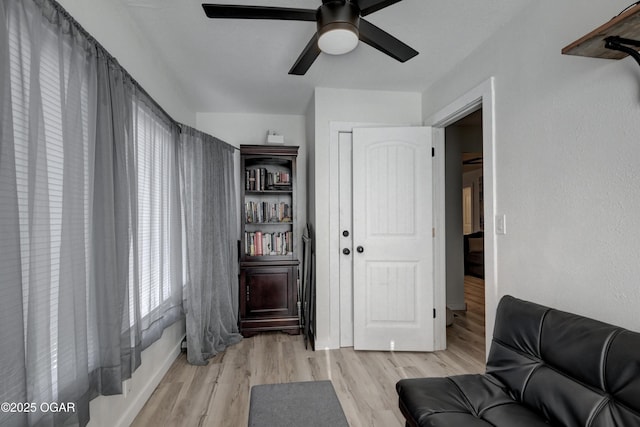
462,400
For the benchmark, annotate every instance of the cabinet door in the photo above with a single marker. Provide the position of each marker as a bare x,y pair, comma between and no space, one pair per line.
269,292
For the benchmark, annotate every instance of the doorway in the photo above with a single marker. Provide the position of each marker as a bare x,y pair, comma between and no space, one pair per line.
465,231
480,97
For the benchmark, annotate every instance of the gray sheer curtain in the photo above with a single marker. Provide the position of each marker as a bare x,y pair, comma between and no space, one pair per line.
112,230
90,229
210,221
48,72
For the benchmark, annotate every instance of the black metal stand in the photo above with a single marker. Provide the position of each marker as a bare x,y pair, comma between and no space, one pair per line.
623,45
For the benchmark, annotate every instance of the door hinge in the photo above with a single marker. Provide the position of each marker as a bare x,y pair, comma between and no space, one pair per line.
434,313
433,151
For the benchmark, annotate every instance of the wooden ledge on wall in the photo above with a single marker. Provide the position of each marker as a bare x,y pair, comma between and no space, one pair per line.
624,26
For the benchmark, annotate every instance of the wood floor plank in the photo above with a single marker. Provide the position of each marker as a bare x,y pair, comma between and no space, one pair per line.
217,395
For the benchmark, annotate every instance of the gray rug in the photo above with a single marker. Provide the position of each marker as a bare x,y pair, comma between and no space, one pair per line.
309,404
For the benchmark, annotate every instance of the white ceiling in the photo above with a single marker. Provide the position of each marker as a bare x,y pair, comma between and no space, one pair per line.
226,65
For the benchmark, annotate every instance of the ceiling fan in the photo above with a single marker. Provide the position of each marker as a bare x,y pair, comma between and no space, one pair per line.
339,22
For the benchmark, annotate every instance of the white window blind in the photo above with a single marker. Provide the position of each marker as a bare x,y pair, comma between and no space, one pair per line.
155,172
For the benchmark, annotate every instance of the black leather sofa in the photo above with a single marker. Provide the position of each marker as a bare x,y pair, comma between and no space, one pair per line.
545,367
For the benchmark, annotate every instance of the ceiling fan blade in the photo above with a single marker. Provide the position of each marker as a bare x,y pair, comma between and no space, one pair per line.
258,12
369,6
385,42
306,58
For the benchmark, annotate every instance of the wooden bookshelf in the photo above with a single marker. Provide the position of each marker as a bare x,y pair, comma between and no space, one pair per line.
269,297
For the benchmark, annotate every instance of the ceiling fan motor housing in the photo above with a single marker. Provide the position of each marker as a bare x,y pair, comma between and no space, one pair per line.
338,17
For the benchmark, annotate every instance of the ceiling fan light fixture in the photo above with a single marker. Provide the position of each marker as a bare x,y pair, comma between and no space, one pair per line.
338,38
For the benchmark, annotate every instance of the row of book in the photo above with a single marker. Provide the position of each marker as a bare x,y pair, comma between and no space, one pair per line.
260,179
259,243
261,212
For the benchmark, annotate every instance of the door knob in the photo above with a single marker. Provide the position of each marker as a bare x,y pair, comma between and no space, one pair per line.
360,249
345,233
346,251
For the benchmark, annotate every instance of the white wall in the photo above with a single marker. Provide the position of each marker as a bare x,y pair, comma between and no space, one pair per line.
567,156
109,23
342,105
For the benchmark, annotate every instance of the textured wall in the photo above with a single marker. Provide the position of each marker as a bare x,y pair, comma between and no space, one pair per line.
567,156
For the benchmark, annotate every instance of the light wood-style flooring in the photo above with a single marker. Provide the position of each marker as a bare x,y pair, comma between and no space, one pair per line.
217,395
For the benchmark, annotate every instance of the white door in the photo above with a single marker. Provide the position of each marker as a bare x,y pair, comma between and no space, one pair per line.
392,239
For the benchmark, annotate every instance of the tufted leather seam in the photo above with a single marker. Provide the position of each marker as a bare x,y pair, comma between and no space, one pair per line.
540,326
538,362
607,400
537,356
610,398
514,402
598,409
605,355
526,380
575,380
529,356
472,410
464,395
535,362
452,412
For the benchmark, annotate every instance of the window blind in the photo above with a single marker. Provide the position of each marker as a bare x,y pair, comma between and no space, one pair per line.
156,204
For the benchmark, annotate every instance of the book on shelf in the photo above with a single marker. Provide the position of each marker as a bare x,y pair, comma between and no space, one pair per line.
261,179
264,212
258,243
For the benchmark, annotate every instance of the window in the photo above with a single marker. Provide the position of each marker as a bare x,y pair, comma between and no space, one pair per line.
157,213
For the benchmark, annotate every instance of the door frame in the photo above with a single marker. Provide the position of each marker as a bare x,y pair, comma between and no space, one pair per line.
480,97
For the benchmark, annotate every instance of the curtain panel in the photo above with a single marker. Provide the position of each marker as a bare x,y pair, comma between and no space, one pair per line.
91,232
211,265
48,72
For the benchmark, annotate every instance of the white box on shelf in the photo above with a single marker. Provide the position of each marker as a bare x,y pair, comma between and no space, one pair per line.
275,139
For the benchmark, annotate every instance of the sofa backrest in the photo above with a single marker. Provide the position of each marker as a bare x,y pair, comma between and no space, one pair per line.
575,370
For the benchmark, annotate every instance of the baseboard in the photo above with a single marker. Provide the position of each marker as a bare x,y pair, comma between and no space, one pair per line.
120,410
147,390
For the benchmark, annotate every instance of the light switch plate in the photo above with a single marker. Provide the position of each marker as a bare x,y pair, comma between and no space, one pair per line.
501,224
